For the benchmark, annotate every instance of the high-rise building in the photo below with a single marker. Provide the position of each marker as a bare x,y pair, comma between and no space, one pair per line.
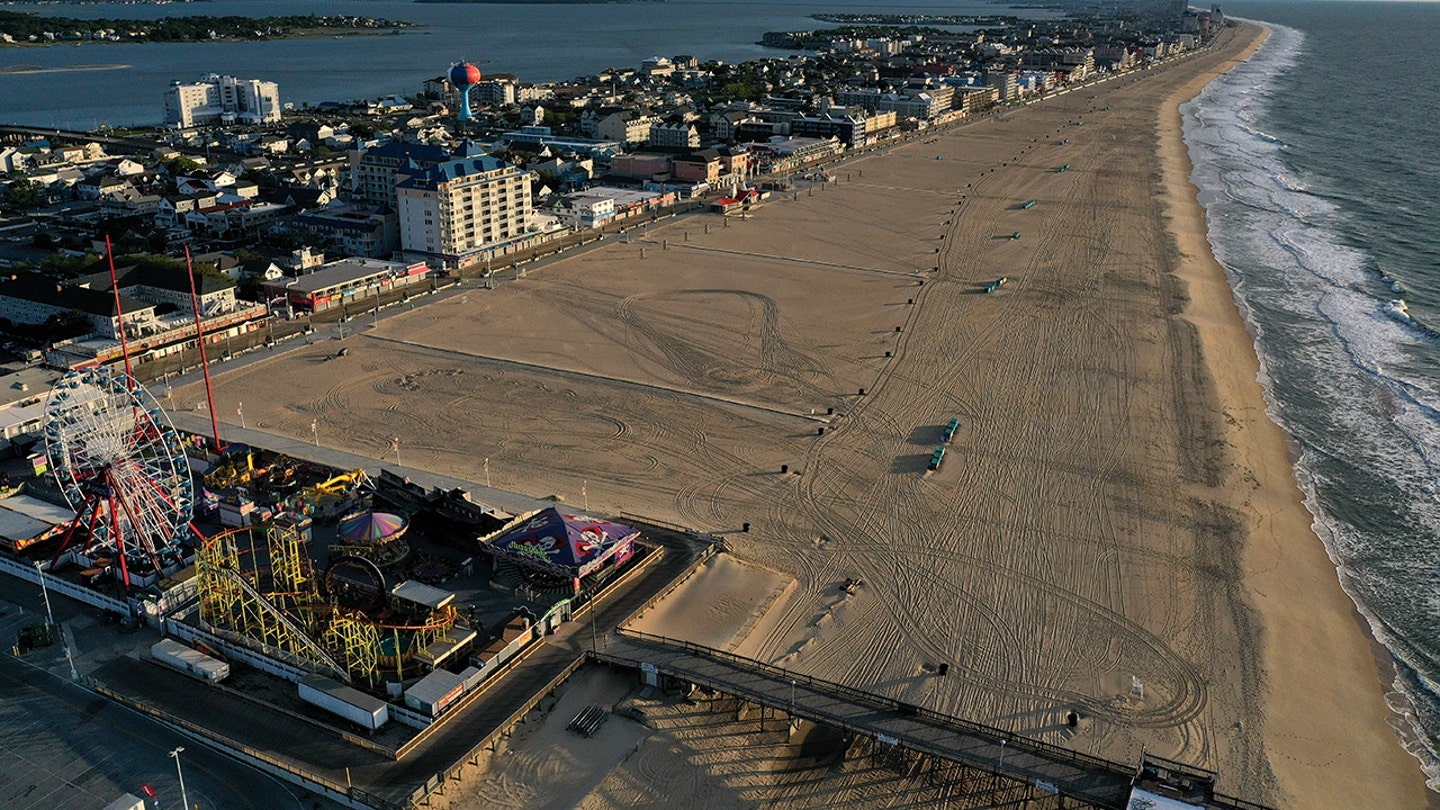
456,212
221,100
379,168
1005,83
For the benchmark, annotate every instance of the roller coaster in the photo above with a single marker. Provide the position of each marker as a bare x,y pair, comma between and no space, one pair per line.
259,589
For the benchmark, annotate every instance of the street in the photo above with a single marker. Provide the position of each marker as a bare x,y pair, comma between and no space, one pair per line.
65,748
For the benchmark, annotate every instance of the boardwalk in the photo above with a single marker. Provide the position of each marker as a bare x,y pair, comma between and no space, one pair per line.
1088,779
496,708
1085,779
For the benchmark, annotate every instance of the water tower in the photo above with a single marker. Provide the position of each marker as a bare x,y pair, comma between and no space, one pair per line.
464,76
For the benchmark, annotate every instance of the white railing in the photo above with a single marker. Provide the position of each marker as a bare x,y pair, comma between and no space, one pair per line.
26,571
235,651
409,717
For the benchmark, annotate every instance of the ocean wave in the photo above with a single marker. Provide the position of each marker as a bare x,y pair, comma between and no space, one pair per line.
1264,136
1400,313
1336,346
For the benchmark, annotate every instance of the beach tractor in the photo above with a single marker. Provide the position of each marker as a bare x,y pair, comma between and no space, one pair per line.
949,432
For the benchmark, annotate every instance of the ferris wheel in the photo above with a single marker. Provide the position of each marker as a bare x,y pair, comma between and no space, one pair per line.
120,465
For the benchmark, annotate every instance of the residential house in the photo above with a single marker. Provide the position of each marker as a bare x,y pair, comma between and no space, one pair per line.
674,135
626,126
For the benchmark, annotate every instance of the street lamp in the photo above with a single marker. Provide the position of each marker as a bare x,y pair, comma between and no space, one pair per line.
792,701
175,755
39,569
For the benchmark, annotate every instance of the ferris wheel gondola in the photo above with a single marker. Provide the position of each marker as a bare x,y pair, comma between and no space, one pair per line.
120,465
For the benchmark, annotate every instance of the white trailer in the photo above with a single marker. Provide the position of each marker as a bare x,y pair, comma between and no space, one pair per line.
190,661
338,699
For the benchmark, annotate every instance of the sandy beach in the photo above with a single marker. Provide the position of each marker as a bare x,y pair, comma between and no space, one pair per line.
1116,511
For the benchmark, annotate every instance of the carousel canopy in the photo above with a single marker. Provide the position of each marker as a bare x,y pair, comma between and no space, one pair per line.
562,543
372,527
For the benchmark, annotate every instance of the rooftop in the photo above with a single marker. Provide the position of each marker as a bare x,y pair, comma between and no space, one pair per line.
422,594
421,153
97,277
454,170
343,272
44,290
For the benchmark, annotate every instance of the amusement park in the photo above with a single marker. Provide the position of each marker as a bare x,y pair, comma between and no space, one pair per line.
365,601
297,569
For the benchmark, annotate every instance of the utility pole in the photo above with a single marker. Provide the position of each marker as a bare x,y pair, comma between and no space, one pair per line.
39,569
175,755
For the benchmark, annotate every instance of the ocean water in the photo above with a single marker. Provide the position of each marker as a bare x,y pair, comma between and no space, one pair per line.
1318,162
537,43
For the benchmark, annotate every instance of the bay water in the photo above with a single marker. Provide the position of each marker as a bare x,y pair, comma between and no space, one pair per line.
535,42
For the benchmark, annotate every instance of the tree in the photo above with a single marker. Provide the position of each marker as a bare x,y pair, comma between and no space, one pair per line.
23,194
181,165
63,265
128,241
744,91
70,324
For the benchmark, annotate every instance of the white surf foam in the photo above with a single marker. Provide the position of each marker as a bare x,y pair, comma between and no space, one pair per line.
1318,315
